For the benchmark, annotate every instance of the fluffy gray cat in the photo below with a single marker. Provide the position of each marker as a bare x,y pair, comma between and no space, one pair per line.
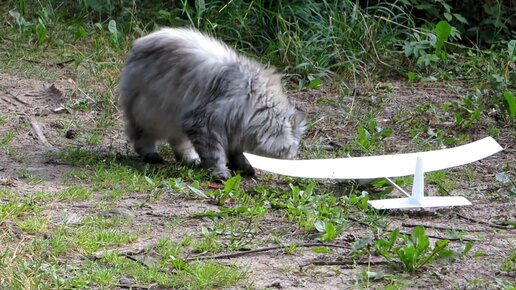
210,103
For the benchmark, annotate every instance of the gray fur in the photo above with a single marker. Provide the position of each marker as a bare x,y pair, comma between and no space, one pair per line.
210,103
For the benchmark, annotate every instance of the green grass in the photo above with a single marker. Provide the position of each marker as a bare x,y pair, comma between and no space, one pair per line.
3,119
75,193
16,207
33,224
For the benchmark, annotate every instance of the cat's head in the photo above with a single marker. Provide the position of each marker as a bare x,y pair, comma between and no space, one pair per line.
280,135
274,126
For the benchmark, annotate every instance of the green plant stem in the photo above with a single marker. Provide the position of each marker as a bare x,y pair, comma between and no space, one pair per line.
435,251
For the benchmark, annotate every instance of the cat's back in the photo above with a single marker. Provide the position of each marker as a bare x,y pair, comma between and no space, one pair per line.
182,44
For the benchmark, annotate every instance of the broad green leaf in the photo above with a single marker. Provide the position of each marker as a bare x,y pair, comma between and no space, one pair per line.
321,250
393,237
15,14
425,6
372,125
460,18
442,31
407,49
94,4
330,232
362,243
480,254
420,240
511,48
407,256
440,250
445,5
196,191
112,27
310,188
200,5
320,226
205,231
363,137
387,132
503,178
427,60
232,184
411,76
374,276
466,248
314,84
511,103
149,180
429,79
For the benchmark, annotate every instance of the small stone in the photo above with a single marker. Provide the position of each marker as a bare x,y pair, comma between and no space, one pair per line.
275,284
72,218
60,110
70,134
126,281
41,113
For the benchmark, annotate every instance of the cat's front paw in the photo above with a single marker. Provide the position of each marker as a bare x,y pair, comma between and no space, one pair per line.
221,174
153,158
195,160
247,170
191,158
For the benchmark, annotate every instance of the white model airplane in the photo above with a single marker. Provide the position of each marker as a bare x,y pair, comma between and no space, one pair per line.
385,166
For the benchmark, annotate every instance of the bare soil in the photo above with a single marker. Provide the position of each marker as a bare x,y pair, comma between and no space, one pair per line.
27,103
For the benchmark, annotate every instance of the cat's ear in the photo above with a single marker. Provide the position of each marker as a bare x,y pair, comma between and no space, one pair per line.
298,120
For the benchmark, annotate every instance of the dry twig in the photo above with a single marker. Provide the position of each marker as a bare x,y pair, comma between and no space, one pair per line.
409,225
137,286
18,99
407,233
483,222
127,251
134,259
39,132
239,254
347,263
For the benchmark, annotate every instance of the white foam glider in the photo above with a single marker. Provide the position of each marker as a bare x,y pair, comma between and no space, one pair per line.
371,167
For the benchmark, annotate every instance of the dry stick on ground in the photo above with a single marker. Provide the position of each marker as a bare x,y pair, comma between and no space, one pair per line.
128,256
407,233
143,246
409,225
239,254
59,64
126,253
18,99
138,286
349,263
62,63
134,259
123,252
39,132
443,238
31,61
483,222
137,261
